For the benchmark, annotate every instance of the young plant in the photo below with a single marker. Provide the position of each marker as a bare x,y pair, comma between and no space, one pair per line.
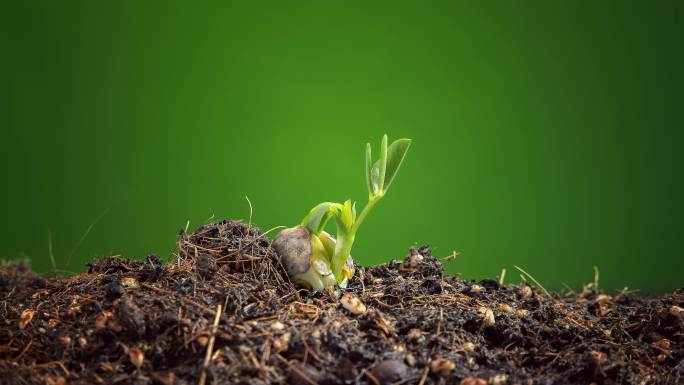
314,258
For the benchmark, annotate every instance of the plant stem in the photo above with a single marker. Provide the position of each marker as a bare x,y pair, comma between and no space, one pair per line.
364,213
345,240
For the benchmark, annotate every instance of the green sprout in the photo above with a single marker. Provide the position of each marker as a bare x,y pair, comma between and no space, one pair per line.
314,258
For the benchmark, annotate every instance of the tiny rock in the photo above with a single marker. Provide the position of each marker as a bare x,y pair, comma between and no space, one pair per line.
202,340
526,291
282,343
413,260
64,339
522,313
130,282
441,366
468,346
414,334
410,359
115,289
353,304
82,342
136,356
487,316
473,381
475,288
499,379
25,318
389,371
506,308
277,325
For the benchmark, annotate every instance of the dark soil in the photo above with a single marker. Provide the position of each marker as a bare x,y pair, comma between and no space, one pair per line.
225,312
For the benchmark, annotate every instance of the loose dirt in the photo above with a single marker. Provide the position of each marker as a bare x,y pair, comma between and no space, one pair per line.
224,312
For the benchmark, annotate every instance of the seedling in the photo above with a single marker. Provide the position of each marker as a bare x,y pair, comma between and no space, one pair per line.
316,259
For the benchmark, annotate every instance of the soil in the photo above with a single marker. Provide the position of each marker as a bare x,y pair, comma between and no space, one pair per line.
225,312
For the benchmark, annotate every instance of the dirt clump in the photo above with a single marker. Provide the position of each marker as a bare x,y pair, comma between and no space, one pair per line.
224,311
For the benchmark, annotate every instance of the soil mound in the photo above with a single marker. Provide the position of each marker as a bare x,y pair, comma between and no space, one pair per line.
224,311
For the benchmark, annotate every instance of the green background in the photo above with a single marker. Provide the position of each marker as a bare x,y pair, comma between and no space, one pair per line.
546,134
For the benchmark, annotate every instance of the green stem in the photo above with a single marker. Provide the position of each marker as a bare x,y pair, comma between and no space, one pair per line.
345,240
364,213
343,248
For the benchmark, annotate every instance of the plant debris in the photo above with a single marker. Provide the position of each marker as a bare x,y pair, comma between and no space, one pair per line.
224,311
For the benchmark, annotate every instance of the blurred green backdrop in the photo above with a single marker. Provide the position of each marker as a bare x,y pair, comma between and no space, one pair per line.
546,134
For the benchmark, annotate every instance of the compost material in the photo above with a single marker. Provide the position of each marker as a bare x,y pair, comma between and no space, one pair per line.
224,312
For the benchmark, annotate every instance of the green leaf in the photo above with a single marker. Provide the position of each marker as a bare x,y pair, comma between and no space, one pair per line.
369,172
383,163
319,216
347,214
395,155
375,177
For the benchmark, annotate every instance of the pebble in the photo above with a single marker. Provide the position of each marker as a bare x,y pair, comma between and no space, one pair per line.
353,304
389,371
487,316
137,356
442,366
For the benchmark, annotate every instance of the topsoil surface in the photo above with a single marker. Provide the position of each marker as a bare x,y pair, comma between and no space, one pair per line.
225,312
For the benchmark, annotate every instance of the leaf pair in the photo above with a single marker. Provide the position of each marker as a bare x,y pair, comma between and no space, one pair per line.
379,175
318,217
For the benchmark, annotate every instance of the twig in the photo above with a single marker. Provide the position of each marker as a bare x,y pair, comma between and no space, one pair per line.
371,377
210,346
425,374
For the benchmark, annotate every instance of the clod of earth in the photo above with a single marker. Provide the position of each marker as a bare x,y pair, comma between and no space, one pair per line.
224,311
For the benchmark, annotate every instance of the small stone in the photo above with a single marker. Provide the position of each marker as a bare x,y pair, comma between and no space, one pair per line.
282,343
487,316
522,313
353,304
410,359
277,326
136,356
498,379
475,288
82,342
202,340
506,308
526,291
473,381
389,371
130,282
414,334
25,318
100,320
206,266
413,260
468,346
115,289
64,339
442,366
